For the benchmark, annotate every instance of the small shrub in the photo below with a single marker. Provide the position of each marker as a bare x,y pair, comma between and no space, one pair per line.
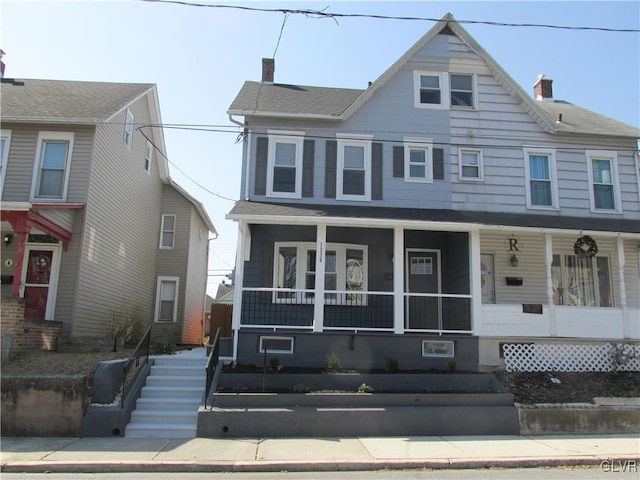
364,388
451,366
301,388
163,349
392,364
333,362
275,364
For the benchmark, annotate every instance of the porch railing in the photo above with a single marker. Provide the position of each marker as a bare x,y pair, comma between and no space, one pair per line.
355,310
212,364
132,367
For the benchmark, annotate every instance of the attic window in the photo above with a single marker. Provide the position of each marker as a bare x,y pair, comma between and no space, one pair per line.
445,90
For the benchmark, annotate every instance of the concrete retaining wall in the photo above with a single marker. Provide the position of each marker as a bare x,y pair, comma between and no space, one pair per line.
43,406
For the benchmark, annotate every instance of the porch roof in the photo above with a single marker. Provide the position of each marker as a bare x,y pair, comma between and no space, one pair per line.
248,210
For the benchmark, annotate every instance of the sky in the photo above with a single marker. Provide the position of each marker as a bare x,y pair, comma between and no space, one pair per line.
200,57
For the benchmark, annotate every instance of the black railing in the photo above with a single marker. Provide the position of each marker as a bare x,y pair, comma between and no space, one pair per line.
142,349
212,364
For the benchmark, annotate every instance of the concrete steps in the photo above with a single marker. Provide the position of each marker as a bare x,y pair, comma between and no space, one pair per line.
169,402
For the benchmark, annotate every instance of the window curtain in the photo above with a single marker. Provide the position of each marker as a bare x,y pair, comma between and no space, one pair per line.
540,180
580,285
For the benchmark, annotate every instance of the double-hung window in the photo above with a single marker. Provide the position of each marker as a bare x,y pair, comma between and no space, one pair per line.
167,299
470,161
540,177
418,160
168,231
603,178
129,121
462,90
345,273
148,157
284,169
5,140
354,168
52,165
581,282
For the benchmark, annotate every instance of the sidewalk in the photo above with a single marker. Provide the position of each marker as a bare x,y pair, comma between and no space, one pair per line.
84,455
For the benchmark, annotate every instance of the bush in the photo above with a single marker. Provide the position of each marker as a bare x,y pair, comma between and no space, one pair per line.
333,362
275,364
392,364
364,388
163,349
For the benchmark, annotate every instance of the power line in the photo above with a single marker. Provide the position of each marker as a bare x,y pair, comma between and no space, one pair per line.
334,16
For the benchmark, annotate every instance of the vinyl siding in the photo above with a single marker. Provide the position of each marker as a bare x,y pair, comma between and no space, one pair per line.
122,229
195,288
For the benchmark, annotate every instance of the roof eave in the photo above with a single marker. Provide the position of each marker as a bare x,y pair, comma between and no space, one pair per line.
305,116
51,120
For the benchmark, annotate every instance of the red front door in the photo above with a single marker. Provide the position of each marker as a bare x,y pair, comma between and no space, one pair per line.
37,283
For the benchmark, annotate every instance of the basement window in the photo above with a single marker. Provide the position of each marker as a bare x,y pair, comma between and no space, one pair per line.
438,348
276,344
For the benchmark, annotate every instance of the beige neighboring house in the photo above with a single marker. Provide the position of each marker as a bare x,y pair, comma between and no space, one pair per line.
92,223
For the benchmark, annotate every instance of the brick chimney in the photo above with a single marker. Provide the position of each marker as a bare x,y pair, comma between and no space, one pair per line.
542,89
268,67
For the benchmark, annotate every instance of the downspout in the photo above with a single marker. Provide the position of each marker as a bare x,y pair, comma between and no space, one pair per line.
247,158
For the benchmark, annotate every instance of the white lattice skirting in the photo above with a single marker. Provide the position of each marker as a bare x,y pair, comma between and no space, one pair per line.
572,358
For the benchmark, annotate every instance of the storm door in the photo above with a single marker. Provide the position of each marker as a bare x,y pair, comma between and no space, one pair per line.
39,276
423,277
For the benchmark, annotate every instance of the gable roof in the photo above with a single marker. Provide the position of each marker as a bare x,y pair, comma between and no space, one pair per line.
291,101
63,101
198,205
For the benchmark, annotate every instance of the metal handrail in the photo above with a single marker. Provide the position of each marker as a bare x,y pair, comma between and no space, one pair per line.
135,358
212,363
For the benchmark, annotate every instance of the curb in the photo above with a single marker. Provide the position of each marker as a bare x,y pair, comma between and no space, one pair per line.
302,465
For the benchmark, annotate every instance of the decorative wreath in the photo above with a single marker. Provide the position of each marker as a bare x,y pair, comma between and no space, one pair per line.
585,247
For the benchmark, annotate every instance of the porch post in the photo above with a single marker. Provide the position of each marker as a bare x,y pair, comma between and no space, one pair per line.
626,327
238,283
475,267
318,297
398,280
548,261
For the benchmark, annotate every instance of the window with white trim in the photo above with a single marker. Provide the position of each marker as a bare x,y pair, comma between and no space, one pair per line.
581,282
274,344
470,163
127,137
52,165
604,192
167,299
284,164
540,176
148,157
168,231
431,348
5,142
444,90
354,168
418,160
345,273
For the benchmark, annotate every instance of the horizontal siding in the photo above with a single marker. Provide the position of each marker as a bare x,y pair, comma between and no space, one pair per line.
121,230
632,276
63,217
195,288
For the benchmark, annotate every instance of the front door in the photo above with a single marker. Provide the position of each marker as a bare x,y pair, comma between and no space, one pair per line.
39,276
423,276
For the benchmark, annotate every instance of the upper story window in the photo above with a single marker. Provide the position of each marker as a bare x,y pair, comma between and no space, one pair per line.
5,141
284,167
148,157
444,90
418,160
167,299
345,273
470,163
354,168
604,192
52,165
167,234
540,177
128,129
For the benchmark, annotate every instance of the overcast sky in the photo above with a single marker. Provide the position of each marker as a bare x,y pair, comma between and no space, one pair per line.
200,57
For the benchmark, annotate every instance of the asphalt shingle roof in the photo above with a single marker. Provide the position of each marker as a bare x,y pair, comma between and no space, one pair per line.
51,100
256,209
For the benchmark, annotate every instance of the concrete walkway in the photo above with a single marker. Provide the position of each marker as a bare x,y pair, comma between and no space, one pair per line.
85,455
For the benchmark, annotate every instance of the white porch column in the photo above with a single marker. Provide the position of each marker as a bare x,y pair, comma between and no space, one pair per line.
318,297
238,282
476,282
548,261
398,280
626,326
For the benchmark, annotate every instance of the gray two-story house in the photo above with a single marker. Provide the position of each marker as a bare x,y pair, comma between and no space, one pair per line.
94,229
432,217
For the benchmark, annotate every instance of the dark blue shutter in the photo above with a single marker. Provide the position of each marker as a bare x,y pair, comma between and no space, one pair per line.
398,161
262,152
331,162
376,171
438,164
308,154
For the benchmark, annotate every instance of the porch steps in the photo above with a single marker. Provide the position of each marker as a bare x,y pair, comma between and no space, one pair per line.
169,402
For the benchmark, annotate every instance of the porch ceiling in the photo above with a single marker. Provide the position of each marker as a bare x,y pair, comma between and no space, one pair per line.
256,211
